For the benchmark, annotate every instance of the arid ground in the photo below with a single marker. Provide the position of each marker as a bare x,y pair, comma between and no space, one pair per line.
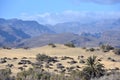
109,59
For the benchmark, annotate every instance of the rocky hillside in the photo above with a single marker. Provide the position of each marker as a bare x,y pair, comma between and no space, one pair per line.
32,34
91,27
31,28
9,36
83,40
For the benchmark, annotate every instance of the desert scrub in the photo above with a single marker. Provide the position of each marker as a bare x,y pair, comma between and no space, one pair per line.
52,45
106,48
117,51
70,45
93,68
5,74
45,58
33,74
114,76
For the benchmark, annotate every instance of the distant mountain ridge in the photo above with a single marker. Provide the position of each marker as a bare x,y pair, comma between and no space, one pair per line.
10,36
31,28
92,27
13,31
20,33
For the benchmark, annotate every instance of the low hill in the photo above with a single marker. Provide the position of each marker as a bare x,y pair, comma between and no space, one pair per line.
48,38
83,40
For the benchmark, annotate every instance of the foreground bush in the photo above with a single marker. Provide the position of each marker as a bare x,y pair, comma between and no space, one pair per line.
114,76
38,74
93,70
5,74
33,74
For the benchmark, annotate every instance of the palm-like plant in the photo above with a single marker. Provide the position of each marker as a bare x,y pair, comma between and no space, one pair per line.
93,69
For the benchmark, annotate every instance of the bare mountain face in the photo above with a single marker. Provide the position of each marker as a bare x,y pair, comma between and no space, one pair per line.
19,33
83,40
9,36
48,38
31,28
13,31
92,27
61,38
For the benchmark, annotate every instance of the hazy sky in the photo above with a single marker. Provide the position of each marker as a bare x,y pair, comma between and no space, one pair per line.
54,11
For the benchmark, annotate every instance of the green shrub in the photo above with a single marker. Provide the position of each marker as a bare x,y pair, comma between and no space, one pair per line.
93,68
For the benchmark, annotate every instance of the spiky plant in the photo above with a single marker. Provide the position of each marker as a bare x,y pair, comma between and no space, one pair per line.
93,68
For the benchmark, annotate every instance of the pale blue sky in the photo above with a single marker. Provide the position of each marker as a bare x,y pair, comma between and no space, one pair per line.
17,8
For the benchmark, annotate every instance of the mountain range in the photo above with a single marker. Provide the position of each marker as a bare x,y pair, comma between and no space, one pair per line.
21,33
92,27
32,28
10,35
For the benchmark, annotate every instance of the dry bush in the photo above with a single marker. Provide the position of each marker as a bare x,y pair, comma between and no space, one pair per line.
114,76
5,74
117,51
106,48
52,45
70,45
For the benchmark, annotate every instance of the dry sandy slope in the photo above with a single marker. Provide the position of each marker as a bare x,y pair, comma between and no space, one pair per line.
58,51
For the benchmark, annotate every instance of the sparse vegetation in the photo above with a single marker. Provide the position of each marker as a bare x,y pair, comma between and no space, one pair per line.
113,76
117,51
8,48
83,47
52,45
54,67
93,69
5,74
92,49
82,61
70,45
106,48
26,48
42,57
45,58
3,60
